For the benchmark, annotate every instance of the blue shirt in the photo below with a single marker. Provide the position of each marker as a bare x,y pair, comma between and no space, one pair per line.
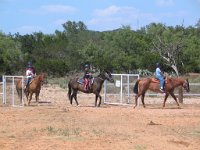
158,72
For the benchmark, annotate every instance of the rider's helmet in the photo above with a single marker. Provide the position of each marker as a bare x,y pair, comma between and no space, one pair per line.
157,64
86,66
29,64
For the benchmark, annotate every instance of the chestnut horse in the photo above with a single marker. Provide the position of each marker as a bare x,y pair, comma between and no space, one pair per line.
142,85
74,86
34,87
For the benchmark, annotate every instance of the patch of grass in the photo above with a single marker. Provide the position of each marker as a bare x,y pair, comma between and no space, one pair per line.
97,132
51,130
66,132
140,147
11,136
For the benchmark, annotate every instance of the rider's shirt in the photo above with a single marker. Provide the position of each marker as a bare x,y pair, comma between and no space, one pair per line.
158,72
88,74
30,72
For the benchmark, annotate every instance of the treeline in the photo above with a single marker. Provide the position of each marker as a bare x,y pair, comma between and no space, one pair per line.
122,51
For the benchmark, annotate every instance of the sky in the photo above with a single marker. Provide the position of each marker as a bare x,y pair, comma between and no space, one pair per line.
28,16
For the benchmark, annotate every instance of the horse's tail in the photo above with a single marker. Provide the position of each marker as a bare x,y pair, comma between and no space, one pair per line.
69,90
19,91
135,89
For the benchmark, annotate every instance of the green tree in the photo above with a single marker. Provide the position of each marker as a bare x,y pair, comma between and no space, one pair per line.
11,55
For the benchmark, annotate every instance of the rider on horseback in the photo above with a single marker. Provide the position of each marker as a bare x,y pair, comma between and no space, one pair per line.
30,73
160,77
87,77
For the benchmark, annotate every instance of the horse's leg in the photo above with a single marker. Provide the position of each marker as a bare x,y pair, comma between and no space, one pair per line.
136,100
142,98
166,96
27,95
30,97
37,96
172,94
99,100
96,98
71,98
75,97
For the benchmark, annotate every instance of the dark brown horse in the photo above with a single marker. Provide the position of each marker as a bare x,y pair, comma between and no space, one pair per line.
142,85
34,87
74,86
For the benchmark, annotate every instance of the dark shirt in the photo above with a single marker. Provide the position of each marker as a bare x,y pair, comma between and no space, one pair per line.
88,75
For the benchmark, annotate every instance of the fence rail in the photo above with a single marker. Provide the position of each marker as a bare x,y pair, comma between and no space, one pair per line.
122,91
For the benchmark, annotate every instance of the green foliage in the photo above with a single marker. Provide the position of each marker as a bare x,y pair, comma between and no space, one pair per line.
121,51
10,55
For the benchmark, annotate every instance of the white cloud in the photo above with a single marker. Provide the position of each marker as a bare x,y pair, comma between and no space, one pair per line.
115,16
165,2
114,10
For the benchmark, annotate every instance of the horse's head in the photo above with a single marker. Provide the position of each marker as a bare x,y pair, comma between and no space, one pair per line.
186,85
43,78
107,75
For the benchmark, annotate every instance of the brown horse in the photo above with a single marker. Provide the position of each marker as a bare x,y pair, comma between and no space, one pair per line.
34,87
74,86
142,85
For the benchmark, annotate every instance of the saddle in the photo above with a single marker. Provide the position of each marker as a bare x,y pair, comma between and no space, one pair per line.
82,81
155,80
29,82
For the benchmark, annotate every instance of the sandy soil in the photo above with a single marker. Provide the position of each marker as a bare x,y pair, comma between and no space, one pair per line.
56,125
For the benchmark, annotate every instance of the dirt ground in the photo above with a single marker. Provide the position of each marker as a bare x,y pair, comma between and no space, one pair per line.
56,125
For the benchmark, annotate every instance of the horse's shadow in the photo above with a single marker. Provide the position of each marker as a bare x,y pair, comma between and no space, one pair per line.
160,107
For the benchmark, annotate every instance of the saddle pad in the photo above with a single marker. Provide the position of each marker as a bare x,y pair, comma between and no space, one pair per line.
155,80
80,80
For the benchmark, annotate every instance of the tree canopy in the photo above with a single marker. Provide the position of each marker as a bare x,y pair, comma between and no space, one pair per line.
122,51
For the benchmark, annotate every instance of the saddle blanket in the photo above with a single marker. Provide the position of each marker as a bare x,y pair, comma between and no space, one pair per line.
82,81
155,80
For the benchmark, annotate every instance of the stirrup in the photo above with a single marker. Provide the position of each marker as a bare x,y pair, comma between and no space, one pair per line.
162,90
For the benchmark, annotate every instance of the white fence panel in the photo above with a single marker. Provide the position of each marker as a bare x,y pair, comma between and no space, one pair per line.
121,91
10,96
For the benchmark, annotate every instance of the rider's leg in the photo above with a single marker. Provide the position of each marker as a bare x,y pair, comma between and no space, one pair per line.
162,83
27,82
86,83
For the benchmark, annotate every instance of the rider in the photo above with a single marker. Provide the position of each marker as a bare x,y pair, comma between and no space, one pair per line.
87,76
160,77
30,74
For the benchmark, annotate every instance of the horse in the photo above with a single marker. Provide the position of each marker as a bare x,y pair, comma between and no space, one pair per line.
34,87
142,85
74,86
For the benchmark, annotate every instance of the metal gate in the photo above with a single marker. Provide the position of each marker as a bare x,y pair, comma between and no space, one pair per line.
9,93
120,92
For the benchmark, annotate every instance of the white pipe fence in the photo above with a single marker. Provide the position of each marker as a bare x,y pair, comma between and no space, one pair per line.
121,93
9,90
121,90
